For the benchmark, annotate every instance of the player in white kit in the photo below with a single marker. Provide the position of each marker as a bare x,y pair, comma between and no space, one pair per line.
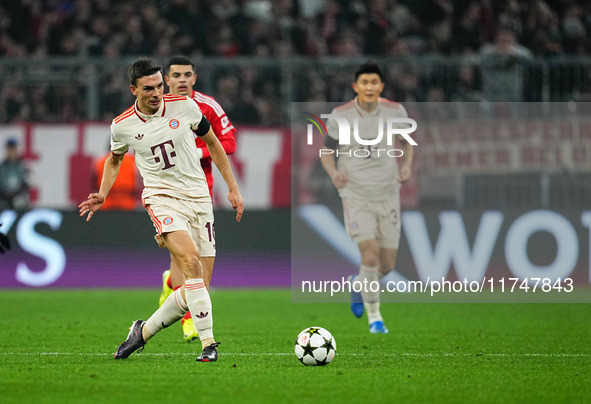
368,179
161,129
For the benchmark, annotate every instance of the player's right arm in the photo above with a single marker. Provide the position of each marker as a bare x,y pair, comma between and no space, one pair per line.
328,161
96,200
339,179
407,156
223,164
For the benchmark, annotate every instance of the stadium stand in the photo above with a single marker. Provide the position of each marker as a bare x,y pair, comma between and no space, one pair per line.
433,49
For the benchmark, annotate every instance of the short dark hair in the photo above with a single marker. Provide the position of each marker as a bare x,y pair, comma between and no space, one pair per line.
179,60
140,68
369,67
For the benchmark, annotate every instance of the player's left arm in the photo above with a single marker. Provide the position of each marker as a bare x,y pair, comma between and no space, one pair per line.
220,159
405,170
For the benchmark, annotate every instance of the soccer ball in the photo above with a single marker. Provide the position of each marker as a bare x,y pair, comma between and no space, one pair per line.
315,346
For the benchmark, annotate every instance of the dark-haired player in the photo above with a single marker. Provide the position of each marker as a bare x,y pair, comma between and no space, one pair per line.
369,185
162,129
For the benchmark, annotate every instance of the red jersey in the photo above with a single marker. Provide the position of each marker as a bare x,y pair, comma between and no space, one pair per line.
221,126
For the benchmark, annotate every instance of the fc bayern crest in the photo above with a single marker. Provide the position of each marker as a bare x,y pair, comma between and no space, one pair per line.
173,123
167,220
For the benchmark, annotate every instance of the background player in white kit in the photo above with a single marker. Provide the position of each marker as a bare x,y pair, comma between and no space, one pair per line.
180,78
161,129
369,186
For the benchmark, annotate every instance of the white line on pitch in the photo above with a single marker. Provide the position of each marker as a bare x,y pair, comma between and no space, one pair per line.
549,355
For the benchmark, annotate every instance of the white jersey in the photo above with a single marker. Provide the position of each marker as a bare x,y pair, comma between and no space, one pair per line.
164,145
371,171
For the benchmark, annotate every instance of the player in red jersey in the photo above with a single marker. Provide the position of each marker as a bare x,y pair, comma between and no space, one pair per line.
180,78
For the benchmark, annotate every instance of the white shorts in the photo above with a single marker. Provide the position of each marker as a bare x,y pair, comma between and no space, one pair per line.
170,214
366,220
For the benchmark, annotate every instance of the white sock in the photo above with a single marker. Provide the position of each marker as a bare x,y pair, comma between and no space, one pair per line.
371,299
173,309
199,304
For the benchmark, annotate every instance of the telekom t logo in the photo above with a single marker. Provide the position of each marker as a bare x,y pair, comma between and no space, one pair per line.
392,128
162,147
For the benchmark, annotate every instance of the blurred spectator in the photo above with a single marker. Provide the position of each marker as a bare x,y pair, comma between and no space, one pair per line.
14,190
378,27
543,28
114,95
510,18
223,43
404,84
468,33
502,68
13,104
236,102
575,35
435,94
466,89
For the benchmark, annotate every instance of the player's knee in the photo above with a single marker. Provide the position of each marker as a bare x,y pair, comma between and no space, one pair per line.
369,259
189,263
387,261
385,269
386,265
370,255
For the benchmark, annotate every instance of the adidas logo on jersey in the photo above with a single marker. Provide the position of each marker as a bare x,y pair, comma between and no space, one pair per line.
139,136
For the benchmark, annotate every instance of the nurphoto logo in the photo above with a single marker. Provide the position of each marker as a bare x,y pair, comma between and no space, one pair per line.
389,127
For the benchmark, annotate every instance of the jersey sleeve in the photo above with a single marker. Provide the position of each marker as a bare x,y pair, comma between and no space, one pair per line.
194,114
332,126
118,147
402,114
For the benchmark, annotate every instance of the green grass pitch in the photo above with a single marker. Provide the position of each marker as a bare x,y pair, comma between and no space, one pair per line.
56,347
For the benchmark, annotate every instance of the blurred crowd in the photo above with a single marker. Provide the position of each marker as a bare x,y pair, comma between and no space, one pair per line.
500,33
228,28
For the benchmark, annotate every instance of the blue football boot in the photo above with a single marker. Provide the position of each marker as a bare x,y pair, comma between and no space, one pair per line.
356,299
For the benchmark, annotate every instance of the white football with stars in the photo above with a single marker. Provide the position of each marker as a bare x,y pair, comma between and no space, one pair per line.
315,346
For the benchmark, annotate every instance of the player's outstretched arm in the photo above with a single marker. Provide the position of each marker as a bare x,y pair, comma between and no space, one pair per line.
218,155
96,200
338,178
